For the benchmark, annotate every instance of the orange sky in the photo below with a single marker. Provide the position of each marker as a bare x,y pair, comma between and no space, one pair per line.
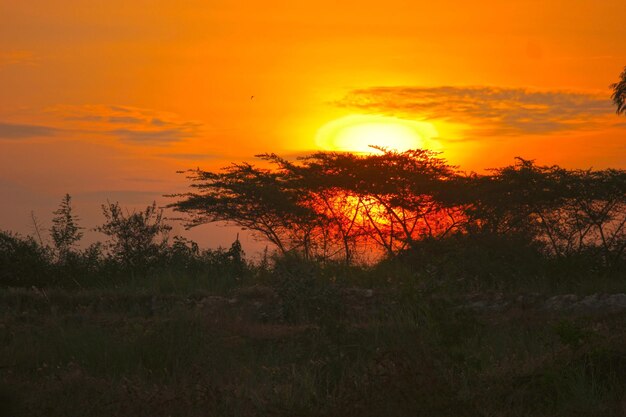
107,99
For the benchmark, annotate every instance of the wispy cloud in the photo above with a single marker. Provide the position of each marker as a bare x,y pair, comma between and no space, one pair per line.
491,110
128,124
16,58
153,136
189,156
25,131
125,120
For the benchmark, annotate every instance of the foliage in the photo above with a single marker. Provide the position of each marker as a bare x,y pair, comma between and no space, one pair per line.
137,239
250,197
331,205
328,203
569,212
65,231
515,224
112,353
387,199
471,262
619,93
23,261
303,293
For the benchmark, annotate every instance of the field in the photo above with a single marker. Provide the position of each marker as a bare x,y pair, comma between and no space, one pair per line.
311,347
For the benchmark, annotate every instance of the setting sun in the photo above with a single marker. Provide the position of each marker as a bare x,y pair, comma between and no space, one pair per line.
357,133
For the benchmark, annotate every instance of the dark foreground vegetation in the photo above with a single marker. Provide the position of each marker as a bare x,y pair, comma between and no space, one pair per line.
482,295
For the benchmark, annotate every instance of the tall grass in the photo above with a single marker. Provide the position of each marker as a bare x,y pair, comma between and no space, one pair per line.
417,356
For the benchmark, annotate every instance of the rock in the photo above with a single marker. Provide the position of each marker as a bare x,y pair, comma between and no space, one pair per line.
488,306
256,292
212,303
590,302
358,292
593,303
526,301
499,306
560,302
477,305
602,302
616,302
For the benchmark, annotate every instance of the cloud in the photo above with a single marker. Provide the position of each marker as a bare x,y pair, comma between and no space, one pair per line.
16,58
150,136
25,131
127,124
86,118
125,120
121,109
189,156
490,110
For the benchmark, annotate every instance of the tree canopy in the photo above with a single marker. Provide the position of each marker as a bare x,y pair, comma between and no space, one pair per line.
329,204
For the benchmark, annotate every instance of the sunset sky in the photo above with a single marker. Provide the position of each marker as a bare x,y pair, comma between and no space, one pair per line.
108,99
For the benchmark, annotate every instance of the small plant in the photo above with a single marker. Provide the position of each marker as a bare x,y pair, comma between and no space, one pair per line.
570,334
65,232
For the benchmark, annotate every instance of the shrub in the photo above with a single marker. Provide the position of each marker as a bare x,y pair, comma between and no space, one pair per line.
137,239
23,261
304,296
476,261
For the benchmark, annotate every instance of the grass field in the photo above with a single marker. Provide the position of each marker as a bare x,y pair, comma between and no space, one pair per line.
321,350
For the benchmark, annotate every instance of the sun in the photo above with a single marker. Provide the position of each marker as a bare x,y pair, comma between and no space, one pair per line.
357,133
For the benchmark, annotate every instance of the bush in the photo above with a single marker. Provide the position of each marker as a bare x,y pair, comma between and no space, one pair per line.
305,297
478,261
23,262
137,239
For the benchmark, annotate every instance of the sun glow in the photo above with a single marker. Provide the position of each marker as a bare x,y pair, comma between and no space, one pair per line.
357,133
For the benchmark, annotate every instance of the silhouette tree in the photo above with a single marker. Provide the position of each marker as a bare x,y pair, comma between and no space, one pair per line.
65,231
619,93
327,203
389,198
598,207
252,198
137,239
568,212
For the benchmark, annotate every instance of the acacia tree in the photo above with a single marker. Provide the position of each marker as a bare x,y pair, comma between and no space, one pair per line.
327,203
503,201
619,93
252,198
333,229
567,211
392,195
65,230
598,210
